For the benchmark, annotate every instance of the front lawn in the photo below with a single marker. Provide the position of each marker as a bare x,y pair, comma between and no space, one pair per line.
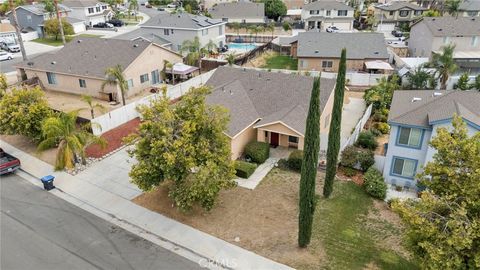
276,61
51,41
351,230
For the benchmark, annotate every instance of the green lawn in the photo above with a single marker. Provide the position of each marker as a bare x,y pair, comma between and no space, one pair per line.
58,42
351,238
280,62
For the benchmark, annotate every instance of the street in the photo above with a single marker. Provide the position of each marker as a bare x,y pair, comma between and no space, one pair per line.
41,231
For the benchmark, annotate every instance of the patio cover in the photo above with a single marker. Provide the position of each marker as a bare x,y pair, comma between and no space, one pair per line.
181,69
378,65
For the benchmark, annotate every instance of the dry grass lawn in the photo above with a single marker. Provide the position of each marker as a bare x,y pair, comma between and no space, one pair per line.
25,144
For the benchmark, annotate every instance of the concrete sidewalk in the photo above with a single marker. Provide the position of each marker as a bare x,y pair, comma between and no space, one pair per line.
184,240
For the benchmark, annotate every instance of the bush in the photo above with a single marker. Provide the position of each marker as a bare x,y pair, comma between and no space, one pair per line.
379,117
349,157
258,152
244,169
295,160
366,159
374,184
384,128
366,139
349,171
375,132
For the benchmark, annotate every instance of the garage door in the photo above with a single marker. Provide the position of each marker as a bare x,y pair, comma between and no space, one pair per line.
343,26
78,27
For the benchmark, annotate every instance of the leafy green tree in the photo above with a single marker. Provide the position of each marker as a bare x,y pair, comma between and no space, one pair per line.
133,6
419,79
188,9
92,106
431,13
3,85
275,9
444,64
185,146
445,223
286,26
309,168
61,130
381,94
52,28
192,3
114,76
462,83
22,112
476,84
335,125
452,7
231,59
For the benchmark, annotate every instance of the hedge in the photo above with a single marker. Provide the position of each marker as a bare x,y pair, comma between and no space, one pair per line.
357,158
244,169
295,160
366,139
374,184
258,152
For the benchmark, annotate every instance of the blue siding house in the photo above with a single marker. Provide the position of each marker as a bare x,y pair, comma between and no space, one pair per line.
414,119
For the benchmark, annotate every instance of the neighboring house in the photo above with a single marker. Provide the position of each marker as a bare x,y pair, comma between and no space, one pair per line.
295,4
176,28
415,116
7,33
207,4
79,68
267,106
77,24
470,8
242,12
321,51
89,11
398,12
429,35
321,14
33,16
145,34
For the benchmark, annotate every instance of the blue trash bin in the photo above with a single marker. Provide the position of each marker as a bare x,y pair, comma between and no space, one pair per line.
48,182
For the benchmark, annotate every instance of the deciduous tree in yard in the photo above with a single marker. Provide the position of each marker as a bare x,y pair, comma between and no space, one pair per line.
275,8
22,112
185,146
443,228
52,28
335,125
309,168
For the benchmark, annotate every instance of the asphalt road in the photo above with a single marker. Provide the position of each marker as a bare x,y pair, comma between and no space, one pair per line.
41,231
7,65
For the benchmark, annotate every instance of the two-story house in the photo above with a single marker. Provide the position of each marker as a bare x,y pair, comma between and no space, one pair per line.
241,12
33,16
89,11
179,27
415,116
319,15
398,12
469,8
429,35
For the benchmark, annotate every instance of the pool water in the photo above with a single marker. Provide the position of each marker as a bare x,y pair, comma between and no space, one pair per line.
242,46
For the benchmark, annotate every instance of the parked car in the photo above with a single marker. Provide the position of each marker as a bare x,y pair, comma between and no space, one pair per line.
332,29
147,5
116,22
8,163
5,56
103,25
171,6
11,47
397,33
161,9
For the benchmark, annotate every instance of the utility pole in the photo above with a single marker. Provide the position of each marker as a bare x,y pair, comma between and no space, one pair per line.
17,29
59,22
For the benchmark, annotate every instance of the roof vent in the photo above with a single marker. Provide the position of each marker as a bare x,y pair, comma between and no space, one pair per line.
440,29
433,19
223,89
316,51
53,62
231,93
473,19
436,94
415,99
135,45
79,41
30,64
375,52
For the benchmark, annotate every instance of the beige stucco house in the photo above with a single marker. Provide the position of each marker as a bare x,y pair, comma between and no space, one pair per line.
79,67
267,106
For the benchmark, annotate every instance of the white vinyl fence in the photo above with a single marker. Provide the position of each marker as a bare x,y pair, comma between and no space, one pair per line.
379,162
358,128
356,78
122,115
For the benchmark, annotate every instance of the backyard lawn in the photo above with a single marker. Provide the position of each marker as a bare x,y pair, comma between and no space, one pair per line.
276,61
351,230
58,42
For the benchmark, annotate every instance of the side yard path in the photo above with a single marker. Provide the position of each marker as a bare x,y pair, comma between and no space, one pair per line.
175,236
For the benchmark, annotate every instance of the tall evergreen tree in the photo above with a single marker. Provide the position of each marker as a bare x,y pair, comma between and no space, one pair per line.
335,124
309,168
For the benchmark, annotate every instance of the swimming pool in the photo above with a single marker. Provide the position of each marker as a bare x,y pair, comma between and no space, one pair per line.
242,46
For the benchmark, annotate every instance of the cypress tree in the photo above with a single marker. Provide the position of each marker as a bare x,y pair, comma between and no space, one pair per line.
309,167
335,125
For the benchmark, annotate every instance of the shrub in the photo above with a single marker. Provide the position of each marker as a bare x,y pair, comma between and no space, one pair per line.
366,159
379,117
283,164
366,139
295,160
244,169
375,132
349,171
374,184
349,157
384,128
258,152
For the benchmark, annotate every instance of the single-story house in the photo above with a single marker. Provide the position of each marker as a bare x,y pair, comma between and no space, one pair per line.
321,51
241,12
267,106
79,67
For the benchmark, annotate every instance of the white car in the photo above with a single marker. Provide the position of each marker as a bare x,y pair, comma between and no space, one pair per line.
332,29
5,56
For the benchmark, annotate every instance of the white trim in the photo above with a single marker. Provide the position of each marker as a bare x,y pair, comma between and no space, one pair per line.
279,122
240,132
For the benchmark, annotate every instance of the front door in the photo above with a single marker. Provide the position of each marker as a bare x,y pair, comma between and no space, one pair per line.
274,139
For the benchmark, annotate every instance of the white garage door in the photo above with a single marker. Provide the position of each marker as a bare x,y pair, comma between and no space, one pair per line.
78,27
386,27
343,26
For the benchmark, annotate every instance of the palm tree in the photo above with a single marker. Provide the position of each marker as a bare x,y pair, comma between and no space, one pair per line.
13,9
133,6
452,7
211,46
61,130
92,106
444,64
419,78
114,76
231,59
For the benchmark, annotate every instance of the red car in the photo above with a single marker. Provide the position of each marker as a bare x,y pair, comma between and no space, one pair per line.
8,163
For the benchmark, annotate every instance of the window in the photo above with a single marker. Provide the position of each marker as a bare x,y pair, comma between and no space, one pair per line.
52,79
171,31
166,32
303,63
83,83
144,78
314,12
292,139
446,40
90,10
104,7
266,134
391,13
155,76
474,41
204,32
418,12
130,84
472,13
404,13
327,64
342,13
29,18
404,167
411,137
329,12
97,9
